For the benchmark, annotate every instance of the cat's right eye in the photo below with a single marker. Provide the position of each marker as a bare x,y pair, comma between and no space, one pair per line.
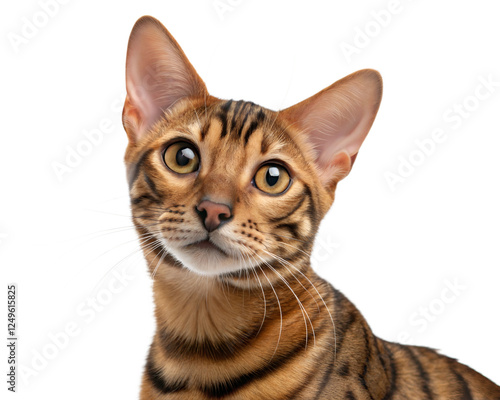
272,179
182,157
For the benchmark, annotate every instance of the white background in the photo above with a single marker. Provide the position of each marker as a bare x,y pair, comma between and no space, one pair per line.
390,251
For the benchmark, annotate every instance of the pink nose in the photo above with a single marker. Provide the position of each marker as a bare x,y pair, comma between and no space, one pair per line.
213,214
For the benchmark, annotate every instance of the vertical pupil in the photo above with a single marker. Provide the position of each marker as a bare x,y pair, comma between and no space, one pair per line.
184,156
272,176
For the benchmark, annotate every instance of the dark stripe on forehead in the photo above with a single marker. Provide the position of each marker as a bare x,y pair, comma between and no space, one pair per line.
254,125
205,129
239,103
248,105
223,117
136,169
264,144
226,106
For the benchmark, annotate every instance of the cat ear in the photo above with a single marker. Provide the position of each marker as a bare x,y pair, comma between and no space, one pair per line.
158,74
336,120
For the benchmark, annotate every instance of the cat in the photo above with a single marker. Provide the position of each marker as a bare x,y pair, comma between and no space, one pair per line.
227,197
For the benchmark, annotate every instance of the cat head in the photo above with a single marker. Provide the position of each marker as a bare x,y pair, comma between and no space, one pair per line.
219,187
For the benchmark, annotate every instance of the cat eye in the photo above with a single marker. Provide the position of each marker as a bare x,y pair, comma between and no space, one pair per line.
272,179
182,157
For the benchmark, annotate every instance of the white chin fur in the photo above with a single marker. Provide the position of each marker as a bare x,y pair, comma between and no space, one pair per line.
208,262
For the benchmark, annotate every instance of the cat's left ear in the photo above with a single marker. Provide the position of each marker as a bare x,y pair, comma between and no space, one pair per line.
158,74
336,121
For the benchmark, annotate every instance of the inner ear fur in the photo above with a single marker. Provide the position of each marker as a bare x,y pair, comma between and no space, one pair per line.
158,75
337,120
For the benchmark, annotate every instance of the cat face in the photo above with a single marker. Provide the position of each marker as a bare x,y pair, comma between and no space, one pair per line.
228,186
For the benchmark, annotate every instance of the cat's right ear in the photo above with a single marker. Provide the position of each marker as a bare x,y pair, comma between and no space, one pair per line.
336,121
158,74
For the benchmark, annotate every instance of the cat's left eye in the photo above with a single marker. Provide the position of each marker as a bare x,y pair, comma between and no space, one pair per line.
182,157
272,179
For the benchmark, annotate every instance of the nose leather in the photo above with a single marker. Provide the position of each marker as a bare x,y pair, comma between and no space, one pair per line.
213,214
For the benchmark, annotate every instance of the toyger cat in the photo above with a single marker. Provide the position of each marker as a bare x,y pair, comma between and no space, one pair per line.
227,197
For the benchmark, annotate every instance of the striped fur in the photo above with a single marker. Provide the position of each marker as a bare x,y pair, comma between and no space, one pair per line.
257,322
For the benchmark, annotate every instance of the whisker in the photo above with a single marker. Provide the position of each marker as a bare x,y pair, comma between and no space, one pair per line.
116,247
284,263
288,237
324,303
136,251
301,306
281,312
296,248
142,239
125,215
263,294
109,231
163,253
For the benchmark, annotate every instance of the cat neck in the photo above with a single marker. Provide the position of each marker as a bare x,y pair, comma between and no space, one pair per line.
210,310
203,323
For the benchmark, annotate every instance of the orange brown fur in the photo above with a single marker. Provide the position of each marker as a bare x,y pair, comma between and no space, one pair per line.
272,328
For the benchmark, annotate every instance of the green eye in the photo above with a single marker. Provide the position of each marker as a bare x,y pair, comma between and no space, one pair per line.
182,157
272,179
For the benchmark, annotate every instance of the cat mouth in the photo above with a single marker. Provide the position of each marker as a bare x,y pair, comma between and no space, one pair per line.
206,244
